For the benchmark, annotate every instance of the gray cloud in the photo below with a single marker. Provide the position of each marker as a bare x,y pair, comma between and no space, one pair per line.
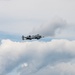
52,28
31,58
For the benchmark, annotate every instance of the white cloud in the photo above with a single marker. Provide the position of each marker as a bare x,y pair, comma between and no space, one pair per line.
52,28
58,69
36,56
56,28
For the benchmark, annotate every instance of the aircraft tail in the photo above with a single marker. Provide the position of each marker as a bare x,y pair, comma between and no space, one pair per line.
23,37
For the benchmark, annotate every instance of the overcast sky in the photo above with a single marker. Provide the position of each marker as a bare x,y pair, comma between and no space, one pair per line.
21,16
50,18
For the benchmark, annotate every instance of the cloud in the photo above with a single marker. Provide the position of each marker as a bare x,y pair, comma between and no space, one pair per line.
52,28
58,69
56,28
31,58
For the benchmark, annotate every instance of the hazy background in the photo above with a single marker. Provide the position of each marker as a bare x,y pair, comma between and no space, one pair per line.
54,19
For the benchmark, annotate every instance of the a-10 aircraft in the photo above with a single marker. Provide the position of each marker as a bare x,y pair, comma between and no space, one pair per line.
30,37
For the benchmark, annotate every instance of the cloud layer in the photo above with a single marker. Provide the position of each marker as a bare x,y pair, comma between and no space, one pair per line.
56,57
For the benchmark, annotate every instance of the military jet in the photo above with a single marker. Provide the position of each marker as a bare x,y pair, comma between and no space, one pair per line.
30,37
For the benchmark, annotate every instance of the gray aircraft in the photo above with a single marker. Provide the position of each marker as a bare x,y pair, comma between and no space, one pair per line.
30,37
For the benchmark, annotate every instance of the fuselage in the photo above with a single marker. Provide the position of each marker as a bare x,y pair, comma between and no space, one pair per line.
30,37
33,37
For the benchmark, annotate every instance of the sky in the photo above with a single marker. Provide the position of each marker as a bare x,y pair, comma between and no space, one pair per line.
21,17
52,55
